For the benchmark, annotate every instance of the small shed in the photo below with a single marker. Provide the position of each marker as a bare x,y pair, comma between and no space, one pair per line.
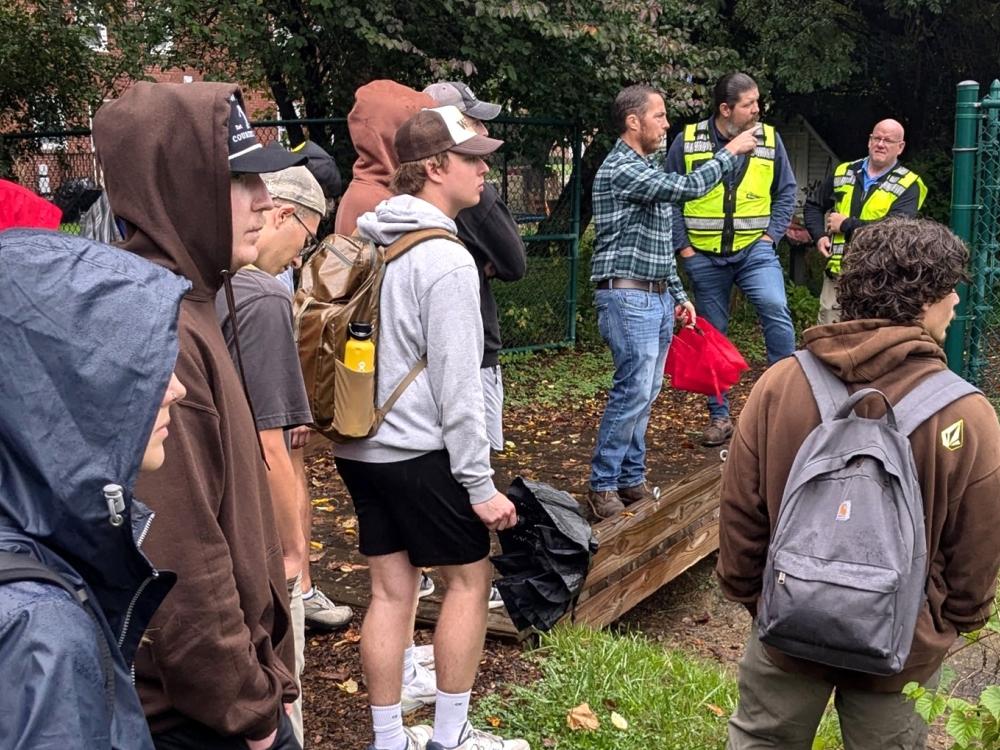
812,159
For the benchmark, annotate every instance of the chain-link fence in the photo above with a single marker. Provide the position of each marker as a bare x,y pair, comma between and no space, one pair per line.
534,173
973,344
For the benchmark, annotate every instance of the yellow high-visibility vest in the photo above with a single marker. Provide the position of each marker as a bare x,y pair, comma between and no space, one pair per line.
728,220
875,206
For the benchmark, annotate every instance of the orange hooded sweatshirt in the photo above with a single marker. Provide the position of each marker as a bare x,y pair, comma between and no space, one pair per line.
380,107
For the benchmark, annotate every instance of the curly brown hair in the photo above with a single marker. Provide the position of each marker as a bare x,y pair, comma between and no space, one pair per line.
894,267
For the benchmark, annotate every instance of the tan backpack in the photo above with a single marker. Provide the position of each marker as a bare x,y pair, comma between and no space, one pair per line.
342,283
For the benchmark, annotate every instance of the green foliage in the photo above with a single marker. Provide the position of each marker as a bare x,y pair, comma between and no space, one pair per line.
556,378
669,699
319,52
54,73
972,724
803,305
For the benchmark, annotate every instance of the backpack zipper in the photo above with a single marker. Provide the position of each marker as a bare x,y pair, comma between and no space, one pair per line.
781,577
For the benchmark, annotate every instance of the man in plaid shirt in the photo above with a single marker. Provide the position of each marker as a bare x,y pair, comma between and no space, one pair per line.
635,273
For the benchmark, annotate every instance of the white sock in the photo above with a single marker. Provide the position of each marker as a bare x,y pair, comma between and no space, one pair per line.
308,594
409,668
451,712
388,724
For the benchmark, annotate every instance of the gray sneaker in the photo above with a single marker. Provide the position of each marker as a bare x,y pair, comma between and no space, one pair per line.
323,614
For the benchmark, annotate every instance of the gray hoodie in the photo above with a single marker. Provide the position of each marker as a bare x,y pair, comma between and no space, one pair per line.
429,306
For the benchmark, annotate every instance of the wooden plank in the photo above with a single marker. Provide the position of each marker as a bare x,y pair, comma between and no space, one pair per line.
625,538
611,603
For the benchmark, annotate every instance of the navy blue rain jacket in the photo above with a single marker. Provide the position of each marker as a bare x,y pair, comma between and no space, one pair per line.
87,345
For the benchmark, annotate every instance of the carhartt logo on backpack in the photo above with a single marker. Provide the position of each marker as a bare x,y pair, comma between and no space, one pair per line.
844,511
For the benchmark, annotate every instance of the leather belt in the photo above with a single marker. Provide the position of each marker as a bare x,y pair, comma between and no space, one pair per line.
659,287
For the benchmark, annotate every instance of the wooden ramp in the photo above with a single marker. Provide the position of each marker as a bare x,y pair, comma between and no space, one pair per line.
641,550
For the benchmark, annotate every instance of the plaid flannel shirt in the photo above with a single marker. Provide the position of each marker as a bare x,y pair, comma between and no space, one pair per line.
632,216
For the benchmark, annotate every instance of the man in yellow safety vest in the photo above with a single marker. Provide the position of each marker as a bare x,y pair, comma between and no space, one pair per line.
858,193
728,237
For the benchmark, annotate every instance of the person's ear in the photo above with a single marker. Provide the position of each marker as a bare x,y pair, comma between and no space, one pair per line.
435,170
725,110
632,121
281,214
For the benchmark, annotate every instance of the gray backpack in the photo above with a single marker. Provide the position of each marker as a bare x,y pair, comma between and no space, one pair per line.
847,565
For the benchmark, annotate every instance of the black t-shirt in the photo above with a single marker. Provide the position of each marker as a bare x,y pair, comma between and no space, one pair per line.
490,233
270,358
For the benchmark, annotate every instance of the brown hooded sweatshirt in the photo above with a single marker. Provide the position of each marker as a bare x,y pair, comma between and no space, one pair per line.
211,653
960,485
380,107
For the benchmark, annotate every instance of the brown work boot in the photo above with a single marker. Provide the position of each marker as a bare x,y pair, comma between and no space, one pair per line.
642,491
718,432
601,505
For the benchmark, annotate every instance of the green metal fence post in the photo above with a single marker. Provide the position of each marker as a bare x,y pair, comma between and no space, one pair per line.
574,248
962,208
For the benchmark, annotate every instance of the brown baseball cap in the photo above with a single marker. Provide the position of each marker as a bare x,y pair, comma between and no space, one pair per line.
432,131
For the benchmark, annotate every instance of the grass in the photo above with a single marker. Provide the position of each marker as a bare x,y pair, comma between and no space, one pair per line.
554,378
671,700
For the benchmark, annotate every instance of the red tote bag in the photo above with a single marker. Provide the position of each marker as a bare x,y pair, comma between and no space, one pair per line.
702,360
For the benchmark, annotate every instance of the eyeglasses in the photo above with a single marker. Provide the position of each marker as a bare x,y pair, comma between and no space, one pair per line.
312,239
886,141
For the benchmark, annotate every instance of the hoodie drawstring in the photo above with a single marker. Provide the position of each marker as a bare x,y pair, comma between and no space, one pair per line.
231,304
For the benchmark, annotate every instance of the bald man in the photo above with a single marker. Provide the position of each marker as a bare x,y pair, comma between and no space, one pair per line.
858,193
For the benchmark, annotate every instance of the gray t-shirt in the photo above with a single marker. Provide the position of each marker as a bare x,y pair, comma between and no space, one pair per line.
270,358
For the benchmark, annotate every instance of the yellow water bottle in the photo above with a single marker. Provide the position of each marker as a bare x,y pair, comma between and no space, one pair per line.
359,352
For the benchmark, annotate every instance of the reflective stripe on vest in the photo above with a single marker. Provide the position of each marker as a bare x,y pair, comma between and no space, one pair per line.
876,206
749,202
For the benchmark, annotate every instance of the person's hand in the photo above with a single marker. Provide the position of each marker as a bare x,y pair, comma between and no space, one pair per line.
823,244
299,436
834,221
489,270
289,707
687,252
497,513
264,744
686,314
744,143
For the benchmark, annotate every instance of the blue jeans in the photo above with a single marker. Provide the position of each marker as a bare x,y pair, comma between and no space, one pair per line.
637,326
756,270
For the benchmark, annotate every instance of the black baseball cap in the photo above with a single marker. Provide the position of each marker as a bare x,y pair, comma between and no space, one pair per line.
246,154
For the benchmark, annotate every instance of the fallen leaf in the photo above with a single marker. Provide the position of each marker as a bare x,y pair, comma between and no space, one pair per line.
493,721
619,721
316,556
338,676
321,501
715,709
349,523
548,742
583,718
345,568
315,545
349,686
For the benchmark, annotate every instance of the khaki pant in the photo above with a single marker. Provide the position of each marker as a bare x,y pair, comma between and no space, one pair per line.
829,307
299,635
779,709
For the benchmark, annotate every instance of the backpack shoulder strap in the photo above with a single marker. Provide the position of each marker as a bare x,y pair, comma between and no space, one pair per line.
930,396
828,390
411,239
21,567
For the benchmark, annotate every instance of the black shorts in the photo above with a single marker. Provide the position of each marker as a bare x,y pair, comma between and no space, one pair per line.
415,506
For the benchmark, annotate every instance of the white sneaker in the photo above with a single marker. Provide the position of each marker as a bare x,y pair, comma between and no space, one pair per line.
414,740
496,601
424,655
420,733
420,691
426,586
477,739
